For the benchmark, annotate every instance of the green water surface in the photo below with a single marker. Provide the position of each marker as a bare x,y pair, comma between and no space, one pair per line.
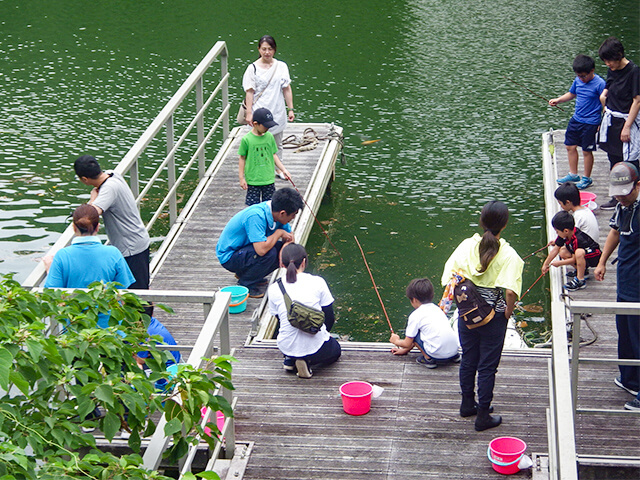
425,77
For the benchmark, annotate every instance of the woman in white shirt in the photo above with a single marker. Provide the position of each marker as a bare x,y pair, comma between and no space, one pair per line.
267,84
301,349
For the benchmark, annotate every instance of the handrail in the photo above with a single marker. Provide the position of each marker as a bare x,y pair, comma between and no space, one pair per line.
562,445
216,321
129,164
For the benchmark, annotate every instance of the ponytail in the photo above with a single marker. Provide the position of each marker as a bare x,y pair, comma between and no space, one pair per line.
493,219
292,256
86,219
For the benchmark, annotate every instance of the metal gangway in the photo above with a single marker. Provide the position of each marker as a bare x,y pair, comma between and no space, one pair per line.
209,117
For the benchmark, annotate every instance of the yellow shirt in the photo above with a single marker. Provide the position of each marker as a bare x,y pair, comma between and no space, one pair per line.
505,270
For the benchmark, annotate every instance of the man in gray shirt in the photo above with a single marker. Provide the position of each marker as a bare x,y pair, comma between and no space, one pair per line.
113,199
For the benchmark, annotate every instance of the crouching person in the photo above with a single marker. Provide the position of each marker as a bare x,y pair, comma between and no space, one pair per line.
314,347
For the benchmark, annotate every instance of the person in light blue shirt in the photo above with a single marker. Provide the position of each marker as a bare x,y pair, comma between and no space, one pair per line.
250,243
87,260
583,125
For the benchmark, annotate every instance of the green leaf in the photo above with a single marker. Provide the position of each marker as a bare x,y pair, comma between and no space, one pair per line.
208,475
105,394
111,425
18,380
189,476
35,349
172,426
6,365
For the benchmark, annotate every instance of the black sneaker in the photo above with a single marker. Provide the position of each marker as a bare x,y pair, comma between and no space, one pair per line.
289,364
633,405
610,205
431,363
257,291
576,284
573,273
618,382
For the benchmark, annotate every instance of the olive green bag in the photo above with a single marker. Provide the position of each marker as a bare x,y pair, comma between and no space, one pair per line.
300,316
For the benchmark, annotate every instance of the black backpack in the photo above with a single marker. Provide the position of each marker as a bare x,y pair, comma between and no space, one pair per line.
472,308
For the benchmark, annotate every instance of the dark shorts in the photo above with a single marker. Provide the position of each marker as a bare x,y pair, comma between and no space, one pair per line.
259,193
581,134
592,260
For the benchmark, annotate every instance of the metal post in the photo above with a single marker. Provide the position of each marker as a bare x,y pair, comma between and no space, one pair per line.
224,68
171,171
200,126
575,360
134,179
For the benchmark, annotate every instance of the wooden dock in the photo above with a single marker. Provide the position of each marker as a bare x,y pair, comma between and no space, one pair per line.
414,430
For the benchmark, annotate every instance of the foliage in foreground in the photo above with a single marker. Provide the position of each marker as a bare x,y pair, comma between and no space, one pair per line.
51,384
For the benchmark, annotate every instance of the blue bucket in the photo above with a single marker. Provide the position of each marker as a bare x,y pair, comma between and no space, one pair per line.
239,295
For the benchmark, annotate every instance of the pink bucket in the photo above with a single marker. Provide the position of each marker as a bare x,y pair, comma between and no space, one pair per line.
356,397
219,420
505,453
588,199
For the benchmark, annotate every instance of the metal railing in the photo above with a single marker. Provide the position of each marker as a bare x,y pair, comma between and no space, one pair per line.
564,364
165,120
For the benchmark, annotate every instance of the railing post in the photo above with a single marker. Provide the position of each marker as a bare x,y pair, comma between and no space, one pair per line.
224,68
575,361
134,179
171,171
200,126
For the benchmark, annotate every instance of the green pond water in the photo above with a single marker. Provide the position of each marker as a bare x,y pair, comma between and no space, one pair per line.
424,77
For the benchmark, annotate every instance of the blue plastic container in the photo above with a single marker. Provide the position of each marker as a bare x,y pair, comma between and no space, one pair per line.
239,296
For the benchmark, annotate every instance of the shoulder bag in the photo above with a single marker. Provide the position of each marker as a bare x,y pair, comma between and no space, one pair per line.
242,112
473,309
300,316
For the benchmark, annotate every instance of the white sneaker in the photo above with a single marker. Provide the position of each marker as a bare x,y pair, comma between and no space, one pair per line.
303,368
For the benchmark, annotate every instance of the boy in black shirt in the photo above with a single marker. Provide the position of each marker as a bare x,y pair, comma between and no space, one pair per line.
575,248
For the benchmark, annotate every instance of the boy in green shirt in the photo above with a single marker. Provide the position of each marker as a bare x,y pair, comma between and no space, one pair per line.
258,159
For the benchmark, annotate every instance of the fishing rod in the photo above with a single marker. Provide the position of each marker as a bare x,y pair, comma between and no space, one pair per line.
316,219
531,91
533,253
374,284
541,275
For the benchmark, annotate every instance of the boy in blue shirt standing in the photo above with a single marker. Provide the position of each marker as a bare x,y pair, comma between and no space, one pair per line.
258,159
583,125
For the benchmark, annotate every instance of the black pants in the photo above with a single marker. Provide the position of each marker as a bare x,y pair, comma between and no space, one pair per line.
481,352
250,267
139,266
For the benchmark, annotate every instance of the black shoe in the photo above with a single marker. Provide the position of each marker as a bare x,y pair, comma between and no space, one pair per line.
573,273
257,291
610,205
469,406
484,421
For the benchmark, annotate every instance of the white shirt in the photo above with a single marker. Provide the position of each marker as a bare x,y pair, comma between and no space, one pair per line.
435,331
311,291
586,221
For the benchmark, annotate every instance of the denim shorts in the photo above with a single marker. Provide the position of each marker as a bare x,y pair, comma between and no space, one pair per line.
581,134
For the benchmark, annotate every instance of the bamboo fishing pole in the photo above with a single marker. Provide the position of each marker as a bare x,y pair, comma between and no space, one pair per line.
316,219
533,253
529,289
531,91
374,284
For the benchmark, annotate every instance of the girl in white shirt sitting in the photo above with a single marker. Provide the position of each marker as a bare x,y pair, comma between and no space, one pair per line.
301,349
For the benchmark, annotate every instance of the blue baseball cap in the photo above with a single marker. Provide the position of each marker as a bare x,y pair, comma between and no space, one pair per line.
264,117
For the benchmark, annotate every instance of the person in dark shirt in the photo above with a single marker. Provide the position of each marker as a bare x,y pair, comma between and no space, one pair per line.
574,247
624,185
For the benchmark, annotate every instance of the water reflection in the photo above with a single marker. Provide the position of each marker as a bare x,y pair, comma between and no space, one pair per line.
425,77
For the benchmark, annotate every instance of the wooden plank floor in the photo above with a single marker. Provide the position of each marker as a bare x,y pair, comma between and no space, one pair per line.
414,429
601,434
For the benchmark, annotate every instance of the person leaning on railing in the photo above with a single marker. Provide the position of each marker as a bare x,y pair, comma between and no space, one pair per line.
87,260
